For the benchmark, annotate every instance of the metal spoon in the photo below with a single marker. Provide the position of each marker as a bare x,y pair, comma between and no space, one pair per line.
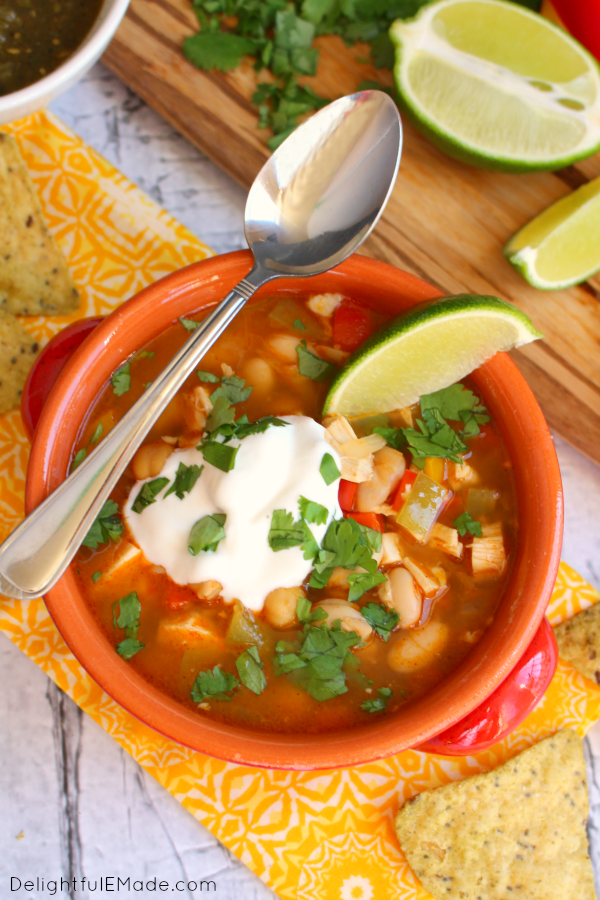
311,206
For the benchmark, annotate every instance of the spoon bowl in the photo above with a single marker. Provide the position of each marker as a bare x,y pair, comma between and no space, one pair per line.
311,206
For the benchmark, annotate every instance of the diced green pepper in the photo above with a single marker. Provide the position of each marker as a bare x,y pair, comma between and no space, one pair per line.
422,506
243,628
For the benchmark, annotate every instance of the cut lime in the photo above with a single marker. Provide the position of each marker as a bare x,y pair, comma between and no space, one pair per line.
561,246
497,85
428,348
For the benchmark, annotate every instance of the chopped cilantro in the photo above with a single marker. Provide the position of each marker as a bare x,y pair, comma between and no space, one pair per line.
304,614
207,533
107,526
258,427
78,458
146,354
286,662
129,647
300,325
324,651
216,50
190,324
394,437
232,389
97,433
329,469
434,438
147,385
284,532
221,456
216,685
379,704
148,493
130,609
363,581
346,545
312,366
450,401
207,377
96,576
312,512
382,619
185,479
250,669
121,380
466,523
222,413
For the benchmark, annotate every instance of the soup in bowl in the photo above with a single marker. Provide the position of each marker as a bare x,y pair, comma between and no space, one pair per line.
274,587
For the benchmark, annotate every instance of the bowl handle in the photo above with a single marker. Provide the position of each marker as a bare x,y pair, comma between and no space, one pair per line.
48,366
509,704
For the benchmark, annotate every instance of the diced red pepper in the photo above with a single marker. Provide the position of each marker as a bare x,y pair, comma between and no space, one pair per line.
352,324
346,494
371,520
408,479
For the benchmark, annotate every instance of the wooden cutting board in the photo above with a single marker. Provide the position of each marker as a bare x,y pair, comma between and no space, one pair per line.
445,222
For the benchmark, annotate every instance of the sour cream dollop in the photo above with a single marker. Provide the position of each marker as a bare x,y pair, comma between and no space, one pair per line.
272,471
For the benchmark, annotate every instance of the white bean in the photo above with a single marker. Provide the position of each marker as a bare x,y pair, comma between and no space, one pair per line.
388,470
350,617
280,607
259,374
283,346
404,596
415,649
150,459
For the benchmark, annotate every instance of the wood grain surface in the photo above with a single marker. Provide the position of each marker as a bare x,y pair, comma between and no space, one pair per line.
445,222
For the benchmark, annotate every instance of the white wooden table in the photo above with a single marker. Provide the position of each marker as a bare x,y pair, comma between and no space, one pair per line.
72,803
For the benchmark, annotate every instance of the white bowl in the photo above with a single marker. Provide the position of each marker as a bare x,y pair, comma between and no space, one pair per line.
39,94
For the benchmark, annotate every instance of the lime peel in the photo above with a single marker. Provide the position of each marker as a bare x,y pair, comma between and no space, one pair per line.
426,349
463,66
560,247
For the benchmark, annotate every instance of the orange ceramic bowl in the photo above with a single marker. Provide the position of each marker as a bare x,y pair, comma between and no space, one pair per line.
539,493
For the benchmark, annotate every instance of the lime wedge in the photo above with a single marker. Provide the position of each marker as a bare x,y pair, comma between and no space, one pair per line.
497,85
428,348
561,246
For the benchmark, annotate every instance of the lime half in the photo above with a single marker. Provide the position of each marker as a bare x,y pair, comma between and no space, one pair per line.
560,247
497,85
428,348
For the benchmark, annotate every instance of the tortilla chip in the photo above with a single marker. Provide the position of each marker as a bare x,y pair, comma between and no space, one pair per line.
518,831
578,642
34,279
18,351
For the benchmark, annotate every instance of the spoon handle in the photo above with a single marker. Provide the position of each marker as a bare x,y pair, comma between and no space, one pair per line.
36,554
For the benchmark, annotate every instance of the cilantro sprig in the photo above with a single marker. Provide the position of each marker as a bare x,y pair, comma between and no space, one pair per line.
250,670
379,617
215,685
128,619
121,380
107,527
466,523
207,533
185,479
380,702
312,366
148,493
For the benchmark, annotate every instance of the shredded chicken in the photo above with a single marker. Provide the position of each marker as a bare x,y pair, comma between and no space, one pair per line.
356,454
191,629
487,552
459,475
196,407
333,354
390,544
324,304
226,370
446,539
423,576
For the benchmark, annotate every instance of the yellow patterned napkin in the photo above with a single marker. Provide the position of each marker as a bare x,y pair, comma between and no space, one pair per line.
309,835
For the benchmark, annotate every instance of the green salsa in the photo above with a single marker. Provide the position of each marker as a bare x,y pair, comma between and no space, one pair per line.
37,36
